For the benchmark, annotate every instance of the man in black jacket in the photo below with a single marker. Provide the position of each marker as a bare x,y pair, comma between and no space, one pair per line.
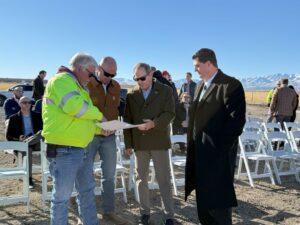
217,118
22,125
38,85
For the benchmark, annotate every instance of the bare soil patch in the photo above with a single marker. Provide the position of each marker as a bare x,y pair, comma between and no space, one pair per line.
265,204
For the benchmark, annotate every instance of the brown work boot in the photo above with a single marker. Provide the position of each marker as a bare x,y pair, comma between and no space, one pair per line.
114,218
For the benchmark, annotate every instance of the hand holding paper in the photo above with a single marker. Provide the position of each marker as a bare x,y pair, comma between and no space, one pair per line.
149,124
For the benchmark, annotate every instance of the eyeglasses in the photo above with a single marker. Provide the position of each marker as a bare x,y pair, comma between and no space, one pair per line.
90,73
143,78
25,102
108,74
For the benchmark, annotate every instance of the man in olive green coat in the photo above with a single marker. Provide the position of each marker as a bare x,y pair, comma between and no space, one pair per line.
150,104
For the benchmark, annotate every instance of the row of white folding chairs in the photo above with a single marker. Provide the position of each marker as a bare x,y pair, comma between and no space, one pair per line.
291,129
254,125
21,171
266,147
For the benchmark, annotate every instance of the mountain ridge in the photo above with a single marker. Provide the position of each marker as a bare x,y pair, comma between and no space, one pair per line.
260,83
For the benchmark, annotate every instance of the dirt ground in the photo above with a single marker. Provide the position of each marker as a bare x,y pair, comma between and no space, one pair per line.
264,204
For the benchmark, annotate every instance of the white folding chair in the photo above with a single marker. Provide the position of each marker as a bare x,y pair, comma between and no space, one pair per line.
152,184
280,147
255,152
254,119
179,161
253,126
132,178
291,126
21,171
120,172
46,195
295,142
271,127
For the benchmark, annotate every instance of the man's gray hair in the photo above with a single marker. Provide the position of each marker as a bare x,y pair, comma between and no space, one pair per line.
82,59
19,88
142,65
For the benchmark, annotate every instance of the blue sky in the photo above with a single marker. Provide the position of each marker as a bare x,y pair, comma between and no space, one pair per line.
250,38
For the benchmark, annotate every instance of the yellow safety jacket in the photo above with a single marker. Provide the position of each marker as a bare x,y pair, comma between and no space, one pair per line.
68,113
269,97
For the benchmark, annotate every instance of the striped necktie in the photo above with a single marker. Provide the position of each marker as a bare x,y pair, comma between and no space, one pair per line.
202,92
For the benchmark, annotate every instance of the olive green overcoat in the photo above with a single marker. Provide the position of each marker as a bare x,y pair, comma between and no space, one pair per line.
159,107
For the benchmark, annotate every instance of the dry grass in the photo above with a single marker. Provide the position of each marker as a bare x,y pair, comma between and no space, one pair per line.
256,97
5,86
252,97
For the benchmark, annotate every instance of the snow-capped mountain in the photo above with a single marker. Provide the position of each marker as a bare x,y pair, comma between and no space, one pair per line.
125,81
269,81
250,83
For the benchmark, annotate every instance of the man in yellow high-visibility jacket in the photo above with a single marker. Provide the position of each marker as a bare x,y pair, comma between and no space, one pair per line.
70,118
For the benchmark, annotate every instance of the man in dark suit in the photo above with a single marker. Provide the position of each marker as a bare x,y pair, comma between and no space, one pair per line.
150,104
188,88
217,117
22,125
38,85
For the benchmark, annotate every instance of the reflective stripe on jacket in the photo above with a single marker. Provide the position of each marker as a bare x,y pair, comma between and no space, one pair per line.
68,113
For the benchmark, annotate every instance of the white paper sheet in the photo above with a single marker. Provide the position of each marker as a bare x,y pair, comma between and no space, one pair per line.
115,125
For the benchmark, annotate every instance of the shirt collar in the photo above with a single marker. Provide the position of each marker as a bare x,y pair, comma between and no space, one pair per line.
208,82
148,90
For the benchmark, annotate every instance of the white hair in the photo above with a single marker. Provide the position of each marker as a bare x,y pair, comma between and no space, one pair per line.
19,88
82,59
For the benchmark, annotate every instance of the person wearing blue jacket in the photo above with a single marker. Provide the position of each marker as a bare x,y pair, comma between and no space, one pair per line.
11,105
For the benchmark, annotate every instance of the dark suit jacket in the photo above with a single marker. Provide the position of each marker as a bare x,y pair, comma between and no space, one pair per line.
11,106
15,126
214,126
38,88
192,89
158,107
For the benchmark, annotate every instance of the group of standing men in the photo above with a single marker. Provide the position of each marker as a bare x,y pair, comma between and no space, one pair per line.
78,97
283,102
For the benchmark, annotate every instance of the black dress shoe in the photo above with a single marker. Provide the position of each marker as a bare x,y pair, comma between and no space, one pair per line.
144,220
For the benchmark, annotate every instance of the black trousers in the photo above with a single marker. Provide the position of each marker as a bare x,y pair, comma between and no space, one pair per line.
215,216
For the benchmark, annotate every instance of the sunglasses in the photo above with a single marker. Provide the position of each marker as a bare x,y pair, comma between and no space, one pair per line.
29,103
108,74
143,78
90,73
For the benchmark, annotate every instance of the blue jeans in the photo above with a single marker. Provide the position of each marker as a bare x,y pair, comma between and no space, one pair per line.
72,166
280,119
107,149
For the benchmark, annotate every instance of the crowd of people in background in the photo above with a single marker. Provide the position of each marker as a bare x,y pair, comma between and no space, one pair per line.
283,102
212,113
